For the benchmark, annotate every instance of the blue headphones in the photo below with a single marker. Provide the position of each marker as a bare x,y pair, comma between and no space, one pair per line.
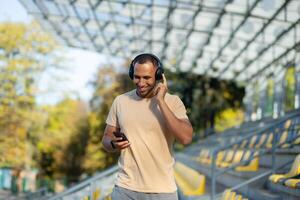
159,70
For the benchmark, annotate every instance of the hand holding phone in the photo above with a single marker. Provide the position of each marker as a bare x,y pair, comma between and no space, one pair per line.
120,135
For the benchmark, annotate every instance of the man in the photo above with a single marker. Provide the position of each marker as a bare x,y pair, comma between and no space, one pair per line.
151,119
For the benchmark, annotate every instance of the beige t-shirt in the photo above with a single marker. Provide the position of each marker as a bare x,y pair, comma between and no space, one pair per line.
147,165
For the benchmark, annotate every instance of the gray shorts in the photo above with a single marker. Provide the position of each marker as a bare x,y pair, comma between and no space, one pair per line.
120,193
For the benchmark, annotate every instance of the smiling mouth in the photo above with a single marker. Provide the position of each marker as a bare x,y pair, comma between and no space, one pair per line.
141,90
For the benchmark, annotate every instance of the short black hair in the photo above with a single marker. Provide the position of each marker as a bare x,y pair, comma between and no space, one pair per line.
144,58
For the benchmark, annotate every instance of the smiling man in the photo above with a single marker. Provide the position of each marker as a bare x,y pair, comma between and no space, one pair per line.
142,124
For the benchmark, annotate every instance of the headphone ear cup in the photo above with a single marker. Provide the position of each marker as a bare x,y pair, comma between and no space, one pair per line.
131,71
158,73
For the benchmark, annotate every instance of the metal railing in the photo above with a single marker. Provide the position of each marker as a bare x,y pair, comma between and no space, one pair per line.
85,188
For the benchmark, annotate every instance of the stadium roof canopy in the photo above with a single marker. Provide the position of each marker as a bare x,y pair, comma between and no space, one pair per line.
228,39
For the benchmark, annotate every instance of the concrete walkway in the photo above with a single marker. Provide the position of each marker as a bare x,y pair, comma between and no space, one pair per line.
6,195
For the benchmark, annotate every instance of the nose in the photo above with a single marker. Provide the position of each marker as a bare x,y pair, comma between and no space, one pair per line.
140,82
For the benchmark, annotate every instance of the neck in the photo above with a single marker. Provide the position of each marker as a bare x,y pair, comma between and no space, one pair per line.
149,95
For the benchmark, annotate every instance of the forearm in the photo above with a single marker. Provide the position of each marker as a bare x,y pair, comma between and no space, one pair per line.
106,142
182,130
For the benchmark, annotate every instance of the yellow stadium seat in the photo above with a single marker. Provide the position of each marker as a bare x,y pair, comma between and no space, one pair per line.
86,198
252,141
220,157
107,197
231,195
96,194
243,144
297,135
205,157
252,166
283,139
293,183
269,142
237,157
262,140
295,170
287,124
238,197
189,180
226,195
228,157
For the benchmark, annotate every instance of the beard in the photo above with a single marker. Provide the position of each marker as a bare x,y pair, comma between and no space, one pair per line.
147,93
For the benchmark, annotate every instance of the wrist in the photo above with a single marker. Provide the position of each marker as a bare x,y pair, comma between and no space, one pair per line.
112,145
161,101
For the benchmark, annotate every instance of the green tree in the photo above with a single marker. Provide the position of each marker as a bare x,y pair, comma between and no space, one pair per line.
61,147
23,51
270,96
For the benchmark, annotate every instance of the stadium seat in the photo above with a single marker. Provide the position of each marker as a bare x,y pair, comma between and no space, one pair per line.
237,157
295,170
293,182
244,144
253,162
96,194
231,195
226,195
283,139
204,156
228,157
220,157
107,197
287,124
297,140
269,142
262,140
296,135
189,181
253,141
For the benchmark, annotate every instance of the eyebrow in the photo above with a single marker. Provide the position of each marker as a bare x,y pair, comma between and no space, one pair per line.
146,76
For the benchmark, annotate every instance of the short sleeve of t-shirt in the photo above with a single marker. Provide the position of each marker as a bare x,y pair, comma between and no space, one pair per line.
112,118
179,108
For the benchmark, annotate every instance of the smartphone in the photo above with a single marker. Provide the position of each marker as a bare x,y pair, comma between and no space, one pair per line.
120,134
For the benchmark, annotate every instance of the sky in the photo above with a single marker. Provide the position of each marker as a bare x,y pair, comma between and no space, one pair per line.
80,65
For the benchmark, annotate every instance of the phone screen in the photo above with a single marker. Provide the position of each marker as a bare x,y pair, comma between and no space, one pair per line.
120,134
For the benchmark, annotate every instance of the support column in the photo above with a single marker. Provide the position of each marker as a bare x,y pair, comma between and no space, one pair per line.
262,104
297,83
279,94
248,103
